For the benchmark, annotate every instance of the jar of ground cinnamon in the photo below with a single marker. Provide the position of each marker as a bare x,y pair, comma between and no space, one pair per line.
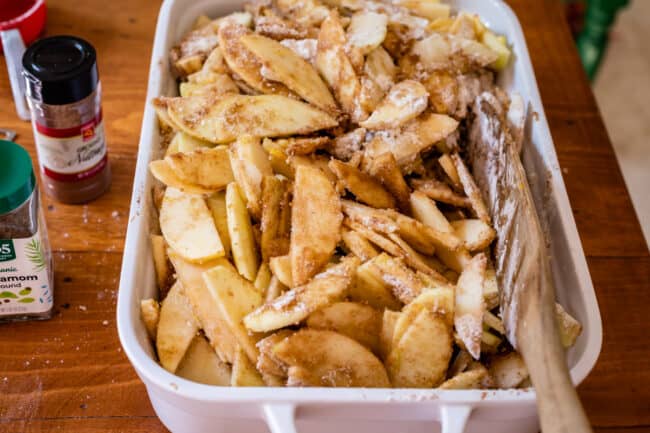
26,290
64,96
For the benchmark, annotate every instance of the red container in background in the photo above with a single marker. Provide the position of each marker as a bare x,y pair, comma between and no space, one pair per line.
28,16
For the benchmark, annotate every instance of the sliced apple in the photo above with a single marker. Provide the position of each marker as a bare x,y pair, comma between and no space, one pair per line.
161,263
201,364
379,239
204,167
188,227
508,371
421,357
404,102
471,190
440,239
275,289
335,67
429,9
384,168
439,300
263,278
281,268
369,288
326,358
165,123
374,219
450,170
177,327
267,363
186,143
217,205
365,188
297,304
471,379
474,233
204,306
389,319
358,245
150,313
275,222
244,63
357,321
162,171
250,164
244,251
379,67
278,156
367,30
313,239
570,328
235,297
468,315
490,289
401,280
407,142
214,64
222,119
281,64
439,191
244,372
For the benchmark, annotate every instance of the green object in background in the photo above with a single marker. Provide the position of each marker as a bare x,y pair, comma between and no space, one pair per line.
593,39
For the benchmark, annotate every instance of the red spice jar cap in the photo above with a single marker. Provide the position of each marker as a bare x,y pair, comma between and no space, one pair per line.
28,16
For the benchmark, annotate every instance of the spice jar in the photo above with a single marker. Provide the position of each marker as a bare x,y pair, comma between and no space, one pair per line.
26,285
64,96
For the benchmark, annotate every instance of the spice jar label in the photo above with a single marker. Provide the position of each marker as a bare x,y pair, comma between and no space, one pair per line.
72,154
24,282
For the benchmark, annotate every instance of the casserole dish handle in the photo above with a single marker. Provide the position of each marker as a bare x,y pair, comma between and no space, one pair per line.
454,417
280,418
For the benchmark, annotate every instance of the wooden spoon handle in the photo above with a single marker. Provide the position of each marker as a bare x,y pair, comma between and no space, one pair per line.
560,410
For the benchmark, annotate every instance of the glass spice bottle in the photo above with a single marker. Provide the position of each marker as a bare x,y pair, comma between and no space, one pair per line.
64,97
26,284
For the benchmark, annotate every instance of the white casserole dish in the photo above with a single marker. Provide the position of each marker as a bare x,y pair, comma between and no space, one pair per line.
188,407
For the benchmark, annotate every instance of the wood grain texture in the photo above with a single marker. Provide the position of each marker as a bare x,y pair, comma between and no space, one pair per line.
69,374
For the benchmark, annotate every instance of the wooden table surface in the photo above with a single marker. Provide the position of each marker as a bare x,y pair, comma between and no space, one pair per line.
70,373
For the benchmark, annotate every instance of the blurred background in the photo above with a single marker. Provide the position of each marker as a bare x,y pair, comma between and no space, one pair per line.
613,38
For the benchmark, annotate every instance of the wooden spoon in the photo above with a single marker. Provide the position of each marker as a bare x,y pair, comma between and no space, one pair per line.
527,295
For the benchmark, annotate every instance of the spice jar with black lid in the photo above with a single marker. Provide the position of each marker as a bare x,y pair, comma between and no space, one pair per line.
64,96
26,290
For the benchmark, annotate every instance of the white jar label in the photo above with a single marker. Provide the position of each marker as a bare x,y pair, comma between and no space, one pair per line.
24,276
72,154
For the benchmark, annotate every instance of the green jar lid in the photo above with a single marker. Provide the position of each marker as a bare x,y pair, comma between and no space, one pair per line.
17,179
